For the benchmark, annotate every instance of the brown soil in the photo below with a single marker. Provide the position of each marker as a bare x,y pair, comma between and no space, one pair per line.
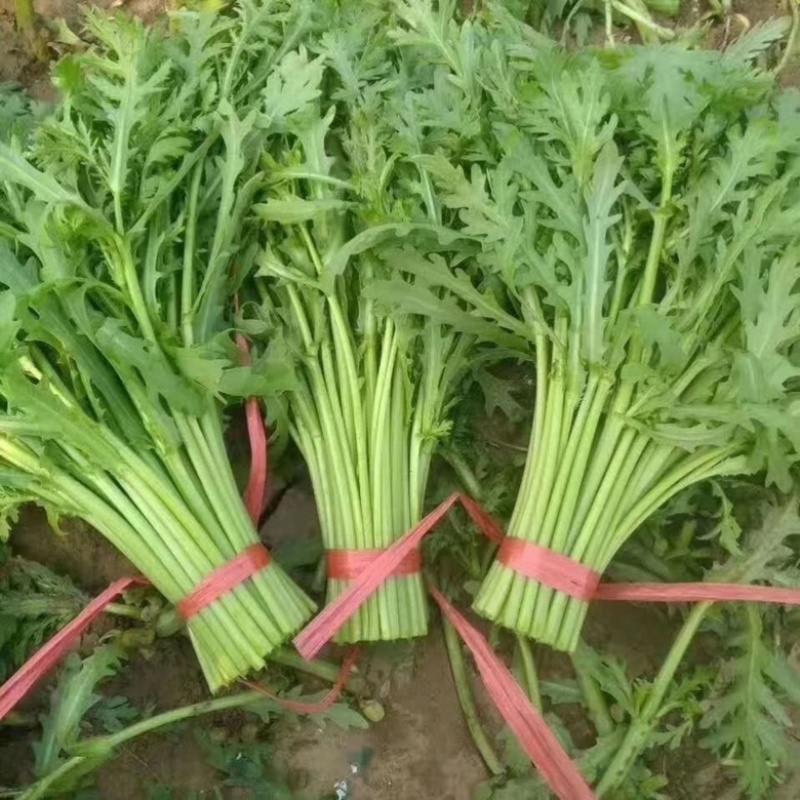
75,550
16,65
421,749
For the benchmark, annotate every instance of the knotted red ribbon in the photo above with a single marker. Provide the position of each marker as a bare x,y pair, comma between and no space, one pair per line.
333,694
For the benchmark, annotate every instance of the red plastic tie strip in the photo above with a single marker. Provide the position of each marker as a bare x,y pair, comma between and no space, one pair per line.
697,593
325,625
255,493
534,735
550,568
44,659
349,564
225,578
296,707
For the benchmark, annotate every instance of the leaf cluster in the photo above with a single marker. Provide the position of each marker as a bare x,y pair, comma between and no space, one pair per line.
34,603
638,208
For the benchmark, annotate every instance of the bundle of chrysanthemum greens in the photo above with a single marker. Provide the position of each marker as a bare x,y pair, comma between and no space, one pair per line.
120,235
636,211
346,208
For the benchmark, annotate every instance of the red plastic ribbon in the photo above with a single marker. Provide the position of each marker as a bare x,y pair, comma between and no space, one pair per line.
256,557
534,734
550,568
523,719
36,667
296,707
225,578
554,569
325,625
697,593
349,564
255,493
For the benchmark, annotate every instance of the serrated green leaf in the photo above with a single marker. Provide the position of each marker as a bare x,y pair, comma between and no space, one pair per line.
293,87
72,699
16,169
344,717
601,198
129,353
757,39
497,394
746,716
656,331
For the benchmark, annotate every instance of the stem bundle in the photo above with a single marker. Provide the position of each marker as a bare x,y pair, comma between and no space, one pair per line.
119,218
364,413
590,481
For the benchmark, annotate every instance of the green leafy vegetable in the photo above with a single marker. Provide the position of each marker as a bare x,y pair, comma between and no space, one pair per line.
72,699
34,603
744,711
635,223
112,714
247,766
65,761
747,718
371,394
121,246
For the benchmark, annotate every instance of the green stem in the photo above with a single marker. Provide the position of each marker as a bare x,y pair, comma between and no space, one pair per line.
578,457
464,473
41,788
121,610
592,696
187,275
529,671
788,51
640,19
214,439
134,290
523,511
26,24
101,744
705,464
338,458
25,15
318,669
351,391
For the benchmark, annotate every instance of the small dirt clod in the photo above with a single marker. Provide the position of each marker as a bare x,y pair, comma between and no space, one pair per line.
249,732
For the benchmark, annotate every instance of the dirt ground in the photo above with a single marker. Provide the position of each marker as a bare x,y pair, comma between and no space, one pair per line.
421,749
